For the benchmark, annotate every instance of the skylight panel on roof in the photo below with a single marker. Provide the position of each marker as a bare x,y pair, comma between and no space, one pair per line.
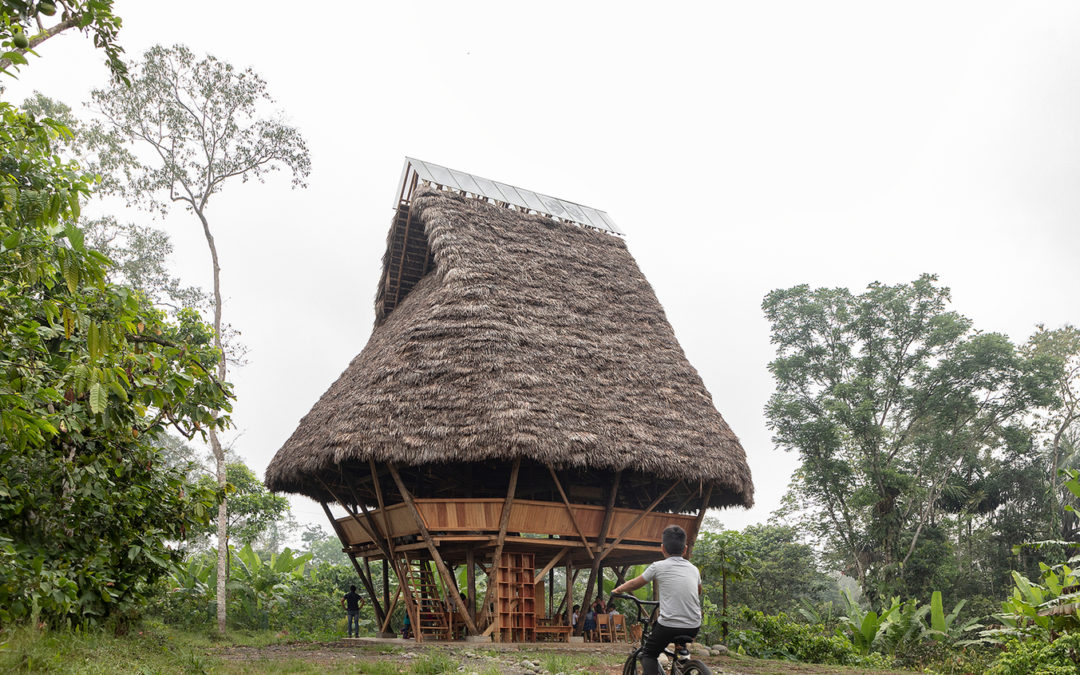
528,200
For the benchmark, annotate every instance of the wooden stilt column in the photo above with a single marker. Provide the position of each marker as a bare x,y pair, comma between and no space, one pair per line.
485,609
379,615
598,559
391,554
551,593
386,585
448,579
470,581
698,521
568,597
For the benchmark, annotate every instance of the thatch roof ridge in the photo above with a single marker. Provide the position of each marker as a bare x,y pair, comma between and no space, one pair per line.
529,338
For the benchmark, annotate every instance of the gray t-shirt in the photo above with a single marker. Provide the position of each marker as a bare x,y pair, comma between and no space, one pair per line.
678,581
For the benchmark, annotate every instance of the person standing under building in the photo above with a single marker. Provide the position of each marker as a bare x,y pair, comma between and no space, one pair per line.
351,602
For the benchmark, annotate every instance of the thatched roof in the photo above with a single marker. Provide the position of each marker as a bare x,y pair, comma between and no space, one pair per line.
526,337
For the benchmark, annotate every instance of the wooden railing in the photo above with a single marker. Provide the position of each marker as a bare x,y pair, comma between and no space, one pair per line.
481,516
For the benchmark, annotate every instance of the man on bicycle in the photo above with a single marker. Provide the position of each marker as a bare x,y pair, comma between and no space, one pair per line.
680,590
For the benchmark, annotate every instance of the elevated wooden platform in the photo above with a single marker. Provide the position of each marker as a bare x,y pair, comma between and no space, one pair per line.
516,543
545,529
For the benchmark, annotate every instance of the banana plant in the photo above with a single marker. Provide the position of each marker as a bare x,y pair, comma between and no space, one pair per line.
945,627
257,585
903,626
863,627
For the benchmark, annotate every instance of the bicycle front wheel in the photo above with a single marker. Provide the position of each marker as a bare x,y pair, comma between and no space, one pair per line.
691,667
632,665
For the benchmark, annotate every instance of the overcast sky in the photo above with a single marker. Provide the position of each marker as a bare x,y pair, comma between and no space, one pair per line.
741,147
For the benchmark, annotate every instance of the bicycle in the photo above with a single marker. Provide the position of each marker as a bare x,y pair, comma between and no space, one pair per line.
681,663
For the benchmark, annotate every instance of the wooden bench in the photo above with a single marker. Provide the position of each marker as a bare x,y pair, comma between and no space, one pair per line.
558,633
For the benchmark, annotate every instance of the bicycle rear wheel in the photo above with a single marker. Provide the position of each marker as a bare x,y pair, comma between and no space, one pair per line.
691,667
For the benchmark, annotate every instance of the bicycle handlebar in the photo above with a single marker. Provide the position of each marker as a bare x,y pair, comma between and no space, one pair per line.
627,596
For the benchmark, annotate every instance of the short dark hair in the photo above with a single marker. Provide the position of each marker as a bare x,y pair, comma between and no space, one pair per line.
674,539
352,589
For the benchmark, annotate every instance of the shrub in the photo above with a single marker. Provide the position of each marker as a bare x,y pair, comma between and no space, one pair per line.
1038,657
780,637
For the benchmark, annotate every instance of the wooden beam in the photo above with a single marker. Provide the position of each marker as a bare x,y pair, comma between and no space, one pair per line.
504,521
448,579
636,520
470,580
598,560
548,567
570,510
571,578
386,584
352,513
364,582
390,611
698,521
388,548
608,513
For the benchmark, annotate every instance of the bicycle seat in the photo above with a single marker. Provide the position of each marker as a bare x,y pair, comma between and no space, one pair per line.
682,640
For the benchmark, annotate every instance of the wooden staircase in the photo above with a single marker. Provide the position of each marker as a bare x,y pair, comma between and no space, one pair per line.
430,618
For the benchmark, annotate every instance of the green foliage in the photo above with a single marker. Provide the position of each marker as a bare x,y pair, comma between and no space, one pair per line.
252,508
897,408
780,637
24,21
863,626
90,376
433,663
150,649
201,116
1039,657
281,592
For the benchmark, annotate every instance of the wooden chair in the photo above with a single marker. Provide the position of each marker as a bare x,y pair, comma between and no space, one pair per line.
603,628
618,628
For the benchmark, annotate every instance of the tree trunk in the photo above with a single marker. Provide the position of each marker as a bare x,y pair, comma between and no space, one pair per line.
723,584
222,533
215,444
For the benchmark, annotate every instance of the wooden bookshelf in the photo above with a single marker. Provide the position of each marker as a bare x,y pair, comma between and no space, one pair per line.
516,599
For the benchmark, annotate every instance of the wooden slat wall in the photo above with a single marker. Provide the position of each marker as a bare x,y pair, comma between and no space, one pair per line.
482,515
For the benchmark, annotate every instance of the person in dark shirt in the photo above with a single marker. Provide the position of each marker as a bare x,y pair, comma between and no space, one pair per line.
351,602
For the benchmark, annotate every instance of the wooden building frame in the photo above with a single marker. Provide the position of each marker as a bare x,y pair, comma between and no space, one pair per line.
522,394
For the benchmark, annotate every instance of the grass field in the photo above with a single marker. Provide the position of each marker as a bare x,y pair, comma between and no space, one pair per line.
163,650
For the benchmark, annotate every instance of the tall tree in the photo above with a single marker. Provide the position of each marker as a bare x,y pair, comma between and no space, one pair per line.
183,129
90,375
726,556
884,395
1061,424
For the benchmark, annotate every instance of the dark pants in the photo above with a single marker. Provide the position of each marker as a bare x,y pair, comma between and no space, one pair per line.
354,622
660,638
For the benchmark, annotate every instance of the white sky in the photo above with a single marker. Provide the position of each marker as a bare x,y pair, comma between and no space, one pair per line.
741,146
